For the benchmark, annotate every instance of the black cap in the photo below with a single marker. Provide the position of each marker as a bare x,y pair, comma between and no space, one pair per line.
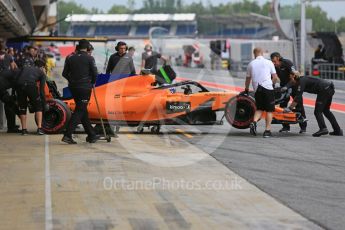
83,44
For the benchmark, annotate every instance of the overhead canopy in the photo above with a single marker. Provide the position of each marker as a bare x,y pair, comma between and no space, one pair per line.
21,17
13,21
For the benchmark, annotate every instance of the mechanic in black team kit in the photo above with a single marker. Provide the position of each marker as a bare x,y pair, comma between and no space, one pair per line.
80,70
7,78
26,85
285,68
325,91
7,63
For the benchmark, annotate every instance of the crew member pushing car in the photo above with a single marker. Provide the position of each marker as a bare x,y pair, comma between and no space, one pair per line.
263,74
285,68
80,70
26,84
324,90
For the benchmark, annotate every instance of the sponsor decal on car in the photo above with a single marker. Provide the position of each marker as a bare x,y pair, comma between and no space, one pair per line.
177,107
172,90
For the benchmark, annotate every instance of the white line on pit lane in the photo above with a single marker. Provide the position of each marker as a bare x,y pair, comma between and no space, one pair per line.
48,195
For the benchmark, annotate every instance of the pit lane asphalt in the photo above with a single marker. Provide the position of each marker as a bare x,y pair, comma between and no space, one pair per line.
129,183
303,172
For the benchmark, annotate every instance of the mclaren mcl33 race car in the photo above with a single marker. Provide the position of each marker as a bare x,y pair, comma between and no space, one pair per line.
138,101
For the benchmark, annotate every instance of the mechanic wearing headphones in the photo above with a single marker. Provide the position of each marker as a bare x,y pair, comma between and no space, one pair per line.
284,69
150,58
325,91
26,84
90,49
263,74
120,62
80,70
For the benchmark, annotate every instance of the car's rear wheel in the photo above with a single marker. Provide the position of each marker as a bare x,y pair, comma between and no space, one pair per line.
239,111
57,117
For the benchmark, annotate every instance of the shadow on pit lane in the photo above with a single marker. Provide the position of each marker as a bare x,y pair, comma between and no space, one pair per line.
240,133
274,134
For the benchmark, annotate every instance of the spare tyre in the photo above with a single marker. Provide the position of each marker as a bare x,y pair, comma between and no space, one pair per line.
56,118
239,111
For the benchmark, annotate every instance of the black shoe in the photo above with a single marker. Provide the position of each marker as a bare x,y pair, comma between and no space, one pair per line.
92,139
68,140
337,133
284,130
40,131
302,131
321,132
25,132
14,130
267,134
252,128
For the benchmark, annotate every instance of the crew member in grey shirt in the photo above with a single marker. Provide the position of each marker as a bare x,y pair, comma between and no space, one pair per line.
120,62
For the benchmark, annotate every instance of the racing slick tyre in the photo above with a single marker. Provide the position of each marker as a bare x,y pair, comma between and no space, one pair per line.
56,118
239,111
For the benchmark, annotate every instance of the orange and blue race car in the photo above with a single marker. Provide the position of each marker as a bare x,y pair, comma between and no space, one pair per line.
140,102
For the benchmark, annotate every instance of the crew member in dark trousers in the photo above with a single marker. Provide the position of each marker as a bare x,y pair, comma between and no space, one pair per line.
26,84
263,74
7,78
325,91
284,69
7,63
80,70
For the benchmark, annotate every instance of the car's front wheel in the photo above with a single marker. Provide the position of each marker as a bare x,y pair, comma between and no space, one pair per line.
56,118
239,111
